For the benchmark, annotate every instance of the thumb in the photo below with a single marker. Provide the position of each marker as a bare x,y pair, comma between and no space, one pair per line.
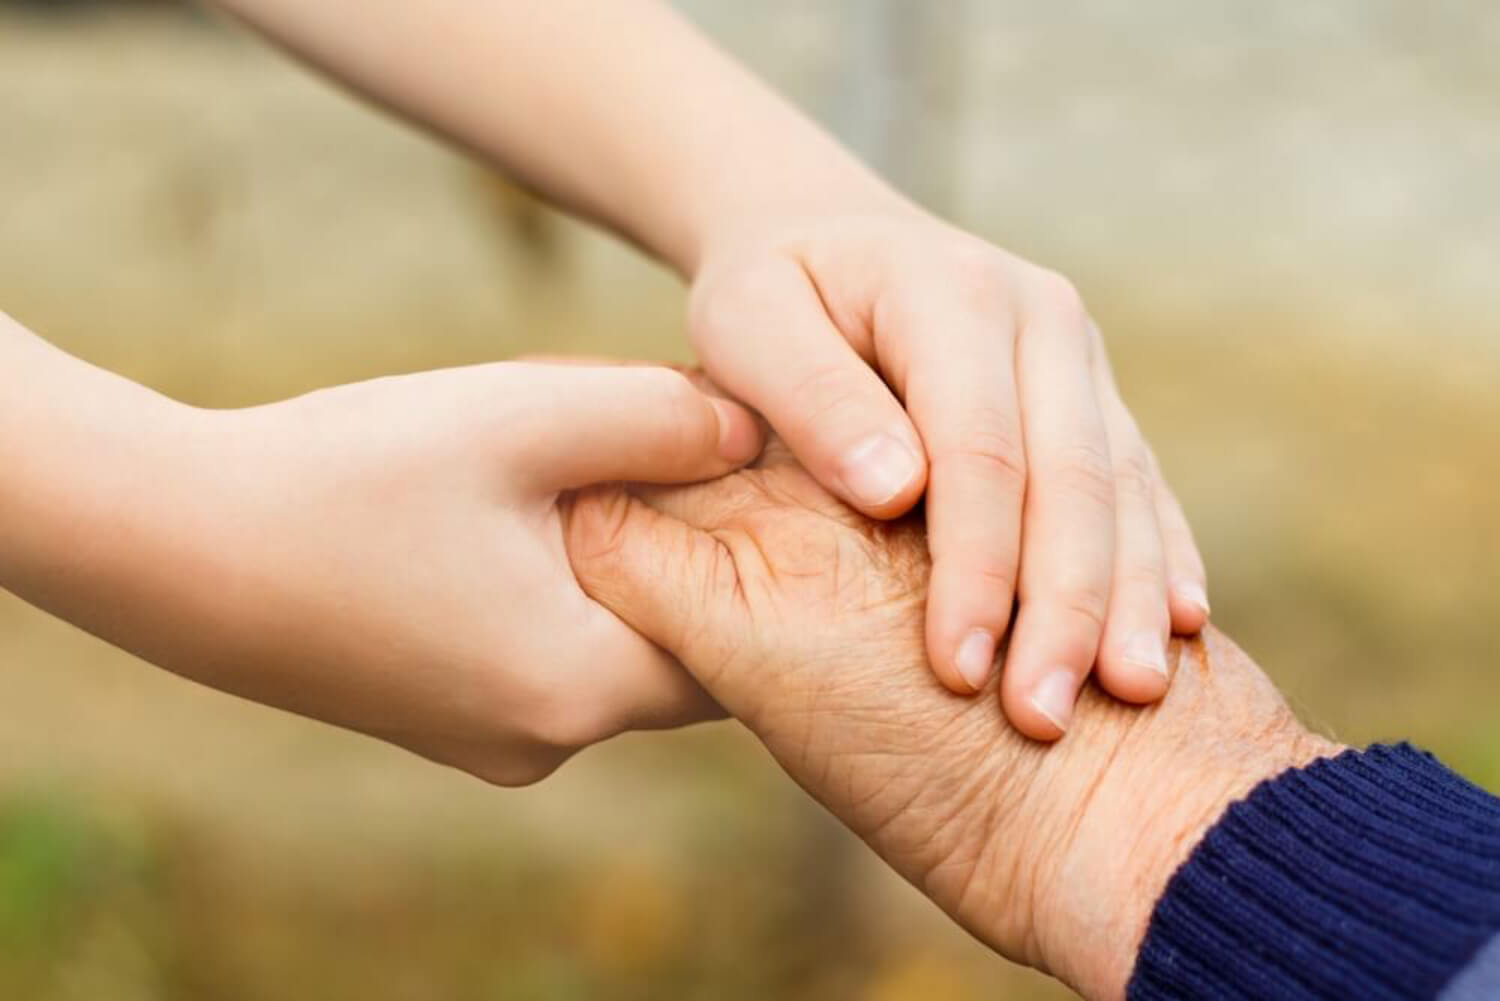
769,340
665,579
588,424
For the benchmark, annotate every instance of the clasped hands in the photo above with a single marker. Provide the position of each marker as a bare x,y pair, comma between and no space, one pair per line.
430,559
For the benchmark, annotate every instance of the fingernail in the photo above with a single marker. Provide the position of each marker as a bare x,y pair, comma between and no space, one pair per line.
1193,593
1054,697
877,469
975,657
1145,649
738,439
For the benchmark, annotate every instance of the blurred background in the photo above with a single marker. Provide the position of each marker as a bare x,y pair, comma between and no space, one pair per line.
1284,215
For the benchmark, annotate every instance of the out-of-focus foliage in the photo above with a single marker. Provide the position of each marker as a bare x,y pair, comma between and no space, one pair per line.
1289,271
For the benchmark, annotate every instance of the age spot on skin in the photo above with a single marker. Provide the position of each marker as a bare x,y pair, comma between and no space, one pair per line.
1192,648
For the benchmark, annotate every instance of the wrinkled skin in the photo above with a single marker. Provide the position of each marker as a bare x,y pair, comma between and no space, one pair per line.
805,621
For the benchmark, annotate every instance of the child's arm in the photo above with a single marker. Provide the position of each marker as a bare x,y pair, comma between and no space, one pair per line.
892,352
616,109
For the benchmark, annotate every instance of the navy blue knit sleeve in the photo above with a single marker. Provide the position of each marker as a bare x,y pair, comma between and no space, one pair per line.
1371,875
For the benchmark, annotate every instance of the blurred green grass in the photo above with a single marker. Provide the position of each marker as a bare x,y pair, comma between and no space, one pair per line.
160,841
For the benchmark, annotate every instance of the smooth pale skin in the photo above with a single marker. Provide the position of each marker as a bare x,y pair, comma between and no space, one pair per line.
892,351
385,556
804,620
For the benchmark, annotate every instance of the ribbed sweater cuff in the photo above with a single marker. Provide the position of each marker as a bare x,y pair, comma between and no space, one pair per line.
1373,875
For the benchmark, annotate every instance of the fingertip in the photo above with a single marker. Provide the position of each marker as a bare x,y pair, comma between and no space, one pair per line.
967,615
944,646
1189,607
1136,686
1052,651
1136,670
882,474
740,435
1044,710
974,659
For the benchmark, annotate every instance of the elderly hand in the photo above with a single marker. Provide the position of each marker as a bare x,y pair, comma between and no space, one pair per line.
877,339
805,620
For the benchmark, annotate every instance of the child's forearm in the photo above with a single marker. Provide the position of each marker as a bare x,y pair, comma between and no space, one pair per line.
81,463
57,419
618,110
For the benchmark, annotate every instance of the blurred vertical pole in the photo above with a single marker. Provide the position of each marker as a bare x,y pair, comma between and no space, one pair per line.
899,94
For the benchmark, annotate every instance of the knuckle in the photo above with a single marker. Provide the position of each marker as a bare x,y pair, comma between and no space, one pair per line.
1057,294
991,444
671,387
993,572
681,413
1134,476
1143,580
829,395
1084,470
719,307
979,275
1085,601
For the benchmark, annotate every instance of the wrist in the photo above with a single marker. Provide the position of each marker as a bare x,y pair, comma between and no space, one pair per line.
1152,808
780,203
1111,812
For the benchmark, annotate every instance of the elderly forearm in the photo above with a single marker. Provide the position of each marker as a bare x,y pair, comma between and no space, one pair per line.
619,110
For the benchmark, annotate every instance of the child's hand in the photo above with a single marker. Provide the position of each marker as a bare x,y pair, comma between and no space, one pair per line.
877,340
384,556
893,353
